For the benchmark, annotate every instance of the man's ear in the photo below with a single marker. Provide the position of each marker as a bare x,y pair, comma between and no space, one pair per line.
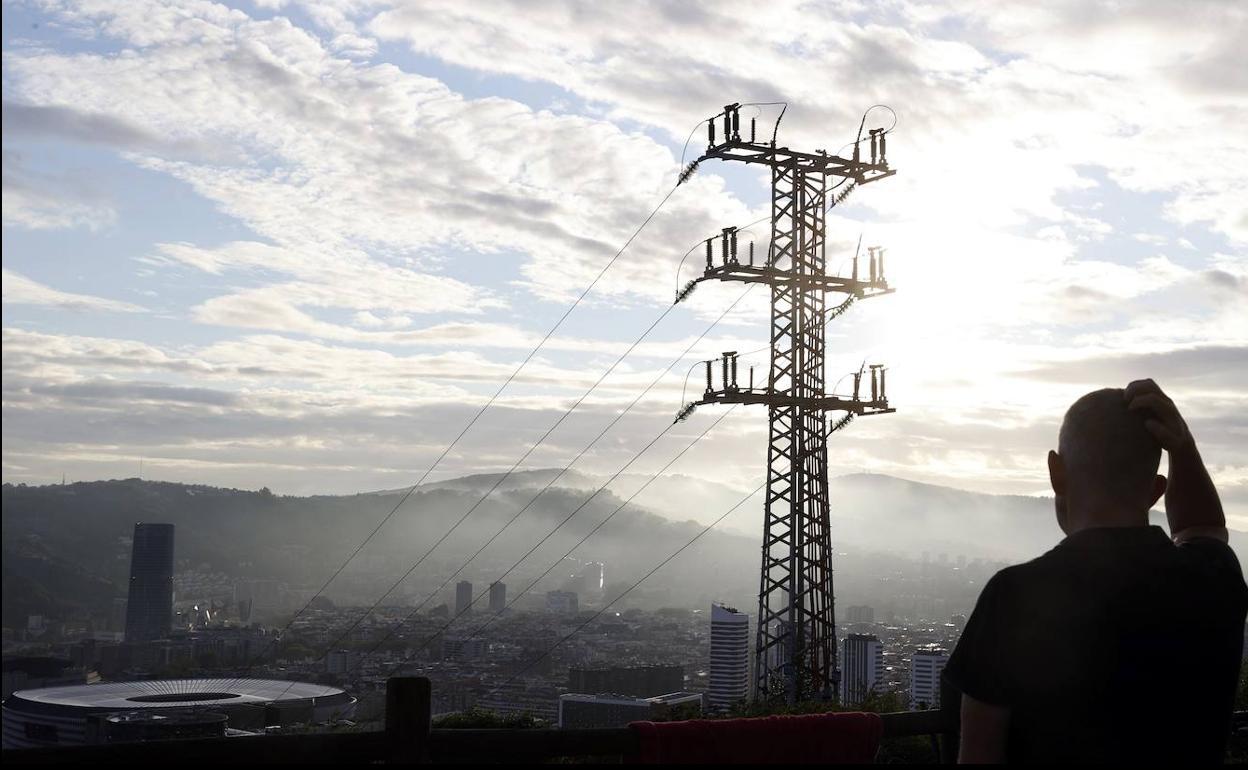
1159,489
1057,478
1057,473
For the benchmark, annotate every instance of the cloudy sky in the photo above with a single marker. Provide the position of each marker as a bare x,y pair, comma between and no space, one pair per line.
297,244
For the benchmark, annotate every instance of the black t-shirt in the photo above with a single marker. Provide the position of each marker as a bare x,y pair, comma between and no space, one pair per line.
1115,646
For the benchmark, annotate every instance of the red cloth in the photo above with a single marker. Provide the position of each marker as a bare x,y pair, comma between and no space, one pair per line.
804,739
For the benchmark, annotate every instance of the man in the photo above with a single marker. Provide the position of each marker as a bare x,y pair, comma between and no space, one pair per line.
1120,644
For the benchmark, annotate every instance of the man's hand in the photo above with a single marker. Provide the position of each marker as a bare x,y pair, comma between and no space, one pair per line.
1192,505
1165,422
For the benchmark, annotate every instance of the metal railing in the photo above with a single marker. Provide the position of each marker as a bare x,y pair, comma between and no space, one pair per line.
408,738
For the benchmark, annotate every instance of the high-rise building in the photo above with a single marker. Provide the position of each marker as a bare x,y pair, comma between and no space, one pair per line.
860,613
634,681
730,657
149,608
561,601
862,663
340,662
463,597
925,667
498,596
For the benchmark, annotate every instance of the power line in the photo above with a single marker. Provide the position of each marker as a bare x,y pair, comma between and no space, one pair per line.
471,422
503,477
581,542
557,477
628,590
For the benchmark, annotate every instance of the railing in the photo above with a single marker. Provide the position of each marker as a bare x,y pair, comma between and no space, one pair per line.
408,738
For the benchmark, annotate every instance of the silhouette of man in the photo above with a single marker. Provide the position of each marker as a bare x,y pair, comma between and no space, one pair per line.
1120,644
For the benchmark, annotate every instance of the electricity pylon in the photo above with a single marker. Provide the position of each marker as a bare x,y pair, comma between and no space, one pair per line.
795,653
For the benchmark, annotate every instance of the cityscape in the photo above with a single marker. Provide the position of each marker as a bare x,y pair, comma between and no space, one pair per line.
555,655
419,381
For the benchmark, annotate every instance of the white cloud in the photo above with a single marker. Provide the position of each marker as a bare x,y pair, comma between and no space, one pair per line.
20,290
368,187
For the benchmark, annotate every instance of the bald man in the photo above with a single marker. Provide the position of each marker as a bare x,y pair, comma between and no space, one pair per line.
1121,644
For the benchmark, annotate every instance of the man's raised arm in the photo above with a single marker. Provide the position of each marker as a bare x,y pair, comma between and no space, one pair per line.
1192,505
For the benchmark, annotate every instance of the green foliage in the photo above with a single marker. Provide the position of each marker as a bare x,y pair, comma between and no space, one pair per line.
481,718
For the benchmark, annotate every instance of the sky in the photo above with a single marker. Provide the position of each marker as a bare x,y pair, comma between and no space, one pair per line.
299,244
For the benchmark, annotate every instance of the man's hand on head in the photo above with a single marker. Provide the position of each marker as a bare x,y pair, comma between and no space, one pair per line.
1192,505
1162,419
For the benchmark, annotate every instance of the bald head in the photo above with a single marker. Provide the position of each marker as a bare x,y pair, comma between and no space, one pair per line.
1110,458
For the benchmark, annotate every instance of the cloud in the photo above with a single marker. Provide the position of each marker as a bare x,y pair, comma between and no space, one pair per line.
51,123
20,290
407,240
50,201
1207,366
1022,93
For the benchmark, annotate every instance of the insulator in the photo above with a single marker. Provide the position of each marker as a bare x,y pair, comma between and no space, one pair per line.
709,263
841,423
875,393
843,194
736,124
734,247
857,384
874,142
708,376
883,147
883,390
871,252
684,293
751,378
685,411
855,273
734,372
841,308
723,244
881,265
751,253
710,132
727,125
751,130
724,361
688,172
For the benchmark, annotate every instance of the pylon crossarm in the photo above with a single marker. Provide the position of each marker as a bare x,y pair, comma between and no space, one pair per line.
820,403
810,163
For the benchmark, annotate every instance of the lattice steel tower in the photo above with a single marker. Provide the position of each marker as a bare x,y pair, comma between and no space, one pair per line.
795,654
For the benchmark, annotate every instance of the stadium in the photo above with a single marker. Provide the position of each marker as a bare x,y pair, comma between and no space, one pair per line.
81,714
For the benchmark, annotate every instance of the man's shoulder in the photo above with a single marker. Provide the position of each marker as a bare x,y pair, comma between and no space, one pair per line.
1026,573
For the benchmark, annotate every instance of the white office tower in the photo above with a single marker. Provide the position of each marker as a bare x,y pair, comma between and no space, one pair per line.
730,658
925,667
862,663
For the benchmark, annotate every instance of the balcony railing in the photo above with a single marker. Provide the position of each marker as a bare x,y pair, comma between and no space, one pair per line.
409,739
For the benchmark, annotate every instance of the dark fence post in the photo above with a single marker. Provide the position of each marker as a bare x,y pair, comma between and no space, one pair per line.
951,721
408,711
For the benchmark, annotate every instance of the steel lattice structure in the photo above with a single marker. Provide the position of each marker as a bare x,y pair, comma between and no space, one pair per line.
795,653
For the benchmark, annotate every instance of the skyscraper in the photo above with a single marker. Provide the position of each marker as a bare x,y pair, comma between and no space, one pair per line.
860,613
498,596
730,657
149,609
925,667
561,601
862,662
463,597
